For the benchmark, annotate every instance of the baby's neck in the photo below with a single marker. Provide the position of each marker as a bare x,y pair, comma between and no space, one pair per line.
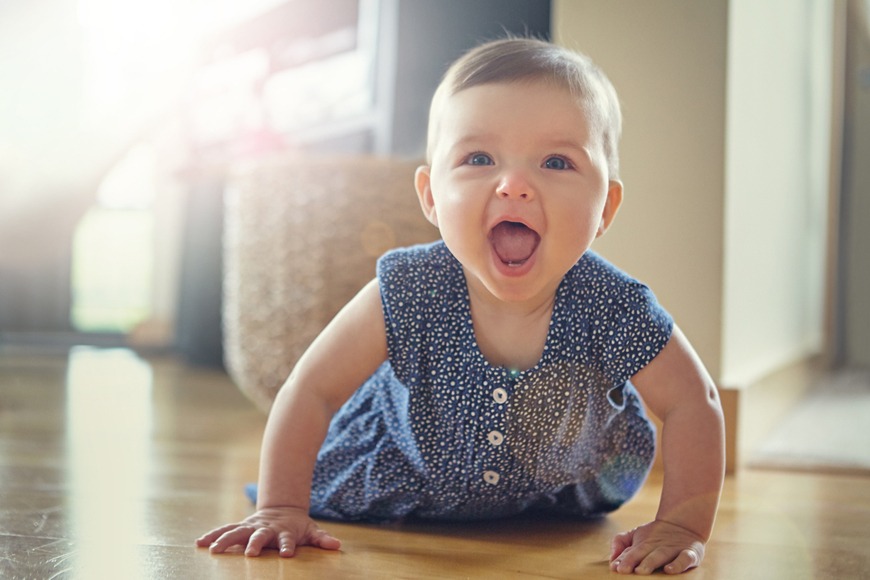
511,336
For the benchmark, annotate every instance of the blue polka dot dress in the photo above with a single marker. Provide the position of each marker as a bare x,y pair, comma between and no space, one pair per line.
438,432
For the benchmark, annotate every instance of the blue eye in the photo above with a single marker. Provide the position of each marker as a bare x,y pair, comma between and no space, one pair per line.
480,159
558,163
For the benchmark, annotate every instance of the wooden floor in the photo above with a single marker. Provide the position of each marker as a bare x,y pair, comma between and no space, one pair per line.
111,465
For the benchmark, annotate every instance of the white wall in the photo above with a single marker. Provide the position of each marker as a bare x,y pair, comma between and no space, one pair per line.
667,59
777,164
725,158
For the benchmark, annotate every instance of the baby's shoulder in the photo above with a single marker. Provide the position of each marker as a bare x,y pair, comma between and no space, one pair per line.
595,289
419,277
606,297
593,275
418,257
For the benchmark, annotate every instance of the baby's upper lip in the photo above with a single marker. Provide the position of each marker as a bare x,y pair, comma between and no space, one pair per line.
512,219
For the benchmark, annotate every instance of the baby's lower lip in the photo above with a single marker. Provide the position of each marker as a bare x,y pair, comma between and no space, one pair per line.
513,269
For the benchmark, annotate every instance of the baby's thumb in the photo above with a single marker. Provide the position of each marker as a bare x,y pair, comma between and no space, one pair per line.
322,539
619,544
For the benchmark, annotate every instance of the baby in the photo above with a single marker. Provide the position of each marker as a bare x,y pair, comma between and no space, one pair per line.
500,370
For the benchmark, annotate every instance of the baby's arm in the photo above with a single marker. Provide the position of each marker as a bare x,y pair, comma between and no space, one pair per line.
346,353
676,387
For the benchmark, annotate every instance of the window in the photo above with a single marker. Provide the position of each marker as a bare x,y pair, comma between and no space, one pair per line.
113,251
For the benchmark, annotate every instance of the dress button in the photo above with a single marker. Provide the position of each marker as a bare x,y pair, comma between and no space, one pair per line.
499,395
491,477
495,438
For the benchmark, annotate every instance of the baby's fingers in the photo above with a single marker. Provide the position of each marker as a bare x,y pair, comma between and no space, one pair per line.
286,545
237,536
653,561
208,538
658,558
260,539
324,540
627,562
620,543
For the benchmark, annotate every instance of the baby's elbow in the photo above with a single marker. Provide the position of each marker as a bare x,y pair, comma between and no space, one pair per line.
712,396
711,409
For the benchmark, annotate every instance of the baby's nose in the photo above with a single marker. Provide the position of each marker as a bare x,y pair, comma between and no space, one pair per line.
514,185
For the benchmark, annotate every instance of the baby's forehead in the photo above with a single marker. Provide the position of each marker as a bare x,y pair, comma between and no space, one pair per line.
452,104
518,61
531,84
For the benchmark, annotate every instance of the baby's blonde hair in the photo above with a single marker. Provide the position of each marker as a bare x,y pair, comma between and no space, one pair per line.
527,59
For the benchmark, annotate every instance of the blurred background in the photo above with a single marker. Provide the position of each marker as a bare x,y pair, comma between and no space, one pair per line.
119,120
747,135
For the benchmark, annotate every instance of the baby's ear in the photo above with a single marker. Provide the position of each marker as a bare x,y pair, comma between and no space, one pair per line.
611,206
423,185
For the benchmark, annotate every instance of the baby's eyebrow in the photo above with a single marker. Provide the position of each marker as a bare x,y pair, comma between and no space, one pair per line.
474,139
571,144
565,142
470,142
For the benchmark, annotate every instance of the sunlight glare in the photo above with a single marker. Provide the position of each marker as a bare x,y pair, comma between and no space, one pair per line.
130,43
109,422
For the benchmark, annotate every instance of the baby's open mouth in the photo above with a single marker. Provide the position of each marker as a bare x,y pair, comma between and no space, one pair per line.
513,242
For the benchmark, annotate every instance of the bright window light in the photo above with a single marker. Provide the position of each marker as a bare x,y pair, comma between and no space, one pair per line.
113,253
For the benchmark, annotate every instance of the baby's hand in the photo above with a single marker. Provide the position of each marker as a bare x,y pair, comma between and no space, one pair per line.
281,528
656,545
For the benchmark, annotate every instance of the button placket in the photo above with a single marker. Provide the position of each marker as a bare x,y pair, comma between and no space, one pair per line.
496,437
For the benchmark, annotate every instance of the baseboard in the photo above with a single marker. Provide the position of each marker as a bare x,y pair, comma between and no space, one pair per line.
753,410
60,342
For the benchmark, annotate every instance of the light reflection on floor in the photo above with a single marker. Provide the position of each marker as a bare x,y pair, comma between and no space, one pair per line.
109,420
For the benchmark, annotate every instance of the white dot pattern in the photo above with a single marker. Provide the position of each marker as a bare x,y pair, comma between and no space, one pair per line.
439,432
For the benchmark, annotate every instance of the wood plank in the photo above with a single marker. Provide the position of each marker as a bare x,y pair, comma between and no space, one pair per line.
114,478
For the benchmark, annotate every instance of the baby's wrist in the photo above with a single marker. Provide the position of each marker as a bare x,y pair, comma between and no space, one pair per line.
283,504
685,527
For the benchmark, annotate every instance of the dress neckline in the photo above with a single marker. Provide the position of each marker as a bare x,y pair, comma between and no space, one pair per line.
470,336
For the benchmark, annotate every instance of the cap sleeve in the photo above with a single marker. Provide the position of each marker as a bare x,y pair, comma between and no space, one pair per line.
638,329
413,282
628,326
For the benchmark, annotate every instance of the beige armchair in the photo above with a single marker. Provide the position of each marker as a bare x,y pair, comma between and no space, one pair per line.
301,237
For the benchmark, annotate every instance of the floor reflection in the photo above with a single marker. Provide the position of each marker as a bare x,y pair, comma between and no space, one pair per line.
109,420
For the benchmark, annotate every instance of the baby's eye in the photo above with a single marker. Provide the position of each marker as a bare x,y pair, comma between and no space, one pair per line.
479,159
559,163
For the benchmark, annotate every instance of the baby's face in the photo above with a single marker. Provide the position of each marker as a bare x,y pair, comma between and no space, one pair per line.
518,187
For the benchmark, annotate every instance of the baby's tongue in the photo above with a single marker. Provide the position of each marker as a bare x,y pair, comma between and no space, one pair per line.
514,243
